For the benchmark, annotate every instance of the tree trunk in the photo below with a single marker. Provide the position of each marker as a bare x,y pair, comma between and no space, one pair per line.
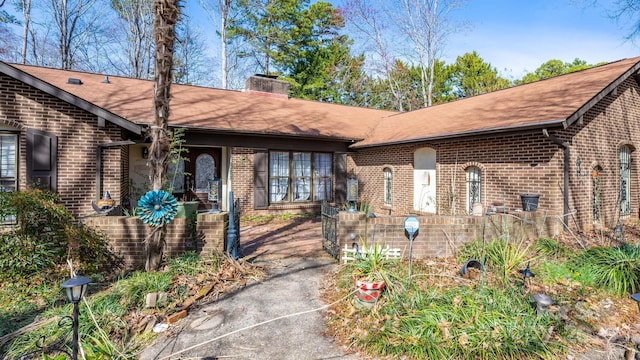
226,5
166,14
26,11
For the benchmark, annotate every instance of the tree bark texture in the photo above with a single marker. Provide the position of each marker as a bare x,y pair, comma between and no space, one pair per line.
166,15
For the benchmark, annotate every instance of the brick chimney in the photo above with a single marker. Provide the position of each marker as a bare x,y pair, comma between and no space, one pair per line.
267,85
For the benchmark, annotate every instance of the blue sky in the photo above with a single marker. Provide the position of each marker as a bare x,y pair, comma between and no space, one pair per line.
518,36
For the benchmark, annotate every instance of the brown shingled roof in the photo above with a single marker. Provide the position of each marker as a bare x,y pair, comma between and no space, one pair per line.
215,109
556,101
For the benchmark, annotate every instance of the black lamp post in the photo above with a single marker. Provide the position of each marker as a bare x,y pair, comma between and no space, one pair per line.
352,193
215,191
75,288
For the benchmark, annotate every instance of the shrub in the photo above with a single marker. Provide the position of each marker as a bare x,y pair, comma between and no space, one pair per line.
501,255
551,248
617,269
44,234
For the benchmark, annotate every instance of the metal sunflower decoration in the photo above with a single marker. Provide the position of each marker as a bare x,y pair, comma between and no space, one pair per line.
157,207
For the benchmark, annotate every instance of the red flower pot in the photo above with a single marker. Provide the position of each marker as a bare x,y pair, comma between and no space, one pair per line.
368,292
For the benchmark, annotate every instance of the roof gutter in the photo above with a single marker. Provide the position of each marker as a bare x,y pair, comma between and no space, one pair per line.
69,98
490,131
567,161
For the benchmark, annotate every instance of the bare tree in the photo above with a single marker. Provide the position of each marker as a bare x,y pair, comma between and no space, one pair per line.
25,6
372,25
427,24
74,22
191,65
625,11
218,12
137,17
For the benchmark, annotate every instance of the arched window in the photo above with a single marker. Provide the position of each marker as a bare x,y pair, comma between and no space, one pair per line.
625,180
388,185
474,180
205,170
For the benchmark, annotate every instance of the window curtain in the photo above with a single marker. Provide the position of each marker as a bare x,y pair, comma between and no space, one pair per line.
278,176
322,177
8,163
302,176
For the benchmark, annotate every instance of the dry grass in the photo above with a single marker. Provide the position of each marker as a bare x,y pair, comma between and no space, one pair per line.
595,324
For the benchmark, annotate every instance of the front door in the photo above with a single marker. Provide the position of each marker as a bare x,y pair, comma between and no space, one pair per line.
424,180
202,166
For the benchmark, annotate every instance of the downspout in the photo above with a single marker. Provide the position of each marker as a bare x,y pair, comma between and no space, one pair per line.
99,162
567,162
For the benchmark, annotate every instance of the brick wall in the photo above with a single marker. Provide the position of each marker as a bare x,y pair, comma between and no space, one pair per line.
22,107
613,122
511,165
440,236
126,235
242,177
519,163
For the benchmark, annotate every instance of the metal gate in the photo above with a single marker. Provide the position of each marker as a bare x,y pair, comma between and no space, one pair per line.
330,230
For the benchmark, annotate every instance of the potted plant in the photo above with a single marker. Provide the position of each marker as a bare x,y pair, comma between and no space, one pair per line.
369,275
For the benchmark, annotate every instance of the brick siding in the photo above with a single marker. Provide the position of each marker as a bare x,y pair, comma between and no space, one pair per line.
22,107
520,163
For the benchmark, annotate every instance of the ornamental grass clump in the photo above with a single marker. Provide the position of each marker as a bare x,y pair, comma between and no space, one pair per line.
616,269
462,323
503,256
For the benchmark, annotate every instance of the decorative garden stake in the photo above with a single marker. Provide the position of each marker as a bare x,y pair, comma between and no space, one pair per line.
526,273
157,207
411,229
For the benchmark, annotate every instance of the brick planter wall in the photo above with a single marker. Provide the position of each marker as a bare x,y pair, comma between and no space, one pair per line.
440,236
127,234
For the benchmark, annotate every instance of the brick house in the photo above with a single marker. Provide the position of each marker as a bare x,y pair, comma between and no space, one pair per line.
570,139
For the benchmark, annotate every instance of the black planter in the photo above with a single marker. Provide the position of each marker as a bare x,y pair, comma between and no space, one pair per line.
529,201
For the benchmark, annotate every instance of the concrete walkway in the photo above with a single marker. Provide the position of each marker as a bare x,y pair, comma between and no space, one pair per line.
291,287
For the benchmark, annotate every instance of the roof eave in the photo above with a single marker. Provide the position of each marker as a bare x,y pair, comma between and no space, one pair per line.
490,131
316,137
69,98
600,95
